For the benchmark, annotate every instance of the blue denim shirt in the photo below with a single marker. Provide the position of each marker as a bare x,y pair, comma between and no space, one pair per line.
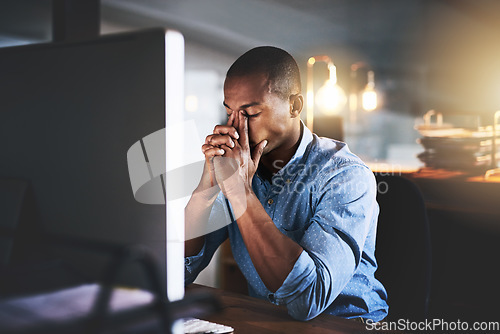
325,200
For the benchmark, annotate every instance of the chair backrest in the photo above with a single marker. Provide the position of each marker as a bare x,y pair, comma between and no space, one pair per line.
20,235
403,248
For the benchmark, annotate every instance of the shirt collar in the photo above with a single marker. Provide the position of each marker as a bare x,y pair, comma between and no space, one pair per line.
307,137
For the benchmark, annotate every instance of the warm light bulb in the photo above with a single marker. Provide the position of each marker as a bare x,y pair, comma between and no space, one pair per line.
330,98
369,99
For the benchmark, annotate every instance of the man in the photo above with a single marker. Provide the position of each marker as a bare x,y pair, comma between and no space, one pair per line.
302,210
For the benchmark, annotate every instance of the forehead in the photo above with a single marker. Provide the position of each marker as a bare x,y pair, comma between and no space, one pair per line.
245,88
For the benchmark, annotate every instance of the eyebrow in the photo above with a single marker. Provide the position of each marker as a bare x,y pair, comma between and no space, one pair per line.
245,106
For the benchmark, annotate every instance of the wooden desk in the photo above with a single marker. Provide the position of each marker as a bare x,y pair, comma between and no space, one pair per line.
251,315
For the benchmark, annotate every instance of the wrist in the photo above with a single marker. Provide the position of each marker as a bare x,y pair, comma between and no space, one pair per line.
235,191
206,192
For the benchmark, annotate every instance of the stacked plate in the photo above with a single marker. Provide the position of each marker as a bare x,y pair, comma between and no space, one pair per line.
453,148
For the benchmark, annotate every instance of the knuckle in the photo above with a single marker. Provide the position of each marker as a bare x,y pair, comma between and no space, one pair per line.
219,129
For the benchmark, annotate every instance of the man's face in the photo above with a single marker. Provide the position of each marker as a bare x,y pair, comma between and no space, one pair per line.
268,115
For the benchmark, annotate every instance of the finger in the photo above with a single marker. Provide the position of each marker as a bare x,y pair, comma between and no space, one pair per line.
206,147
212,151
226,130
219,140
243,130
257,152
236,120
230,119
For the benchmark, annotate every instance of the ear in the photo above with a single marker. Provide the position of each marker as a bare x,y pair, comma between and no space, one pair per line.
296,104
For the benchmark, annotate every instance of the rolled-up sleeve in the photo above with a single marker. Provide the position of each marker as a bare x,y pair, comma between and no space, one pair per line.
193,265
344,208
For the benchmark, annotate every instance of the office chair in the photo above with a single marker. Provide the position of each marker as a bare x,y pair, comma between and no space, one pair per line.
403,249
18,231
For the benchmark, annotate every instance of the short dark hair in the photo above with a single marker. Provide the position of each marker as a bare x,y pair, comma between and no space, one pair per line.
280,67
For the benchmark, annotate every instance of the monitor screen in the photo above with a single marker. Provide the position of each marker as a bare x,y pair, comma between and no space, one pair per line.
69,113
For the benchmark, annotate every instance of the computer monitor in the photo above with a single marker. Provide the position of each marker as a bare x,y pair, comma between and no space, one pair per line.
69,113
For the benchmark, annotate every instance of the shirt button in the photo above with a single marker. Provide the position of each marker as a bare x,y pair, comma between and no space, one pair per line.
270,201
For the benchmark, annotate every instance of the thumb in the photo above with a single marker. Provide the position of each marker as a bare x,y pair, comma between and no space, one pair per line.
257,152
209,170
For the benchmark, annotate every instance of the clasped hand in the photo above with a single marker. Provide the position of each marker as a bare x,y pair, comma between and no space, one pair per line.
230,160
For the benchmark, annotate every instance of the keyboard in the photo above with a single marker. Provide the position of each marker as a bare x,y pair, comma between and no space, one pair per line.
199,326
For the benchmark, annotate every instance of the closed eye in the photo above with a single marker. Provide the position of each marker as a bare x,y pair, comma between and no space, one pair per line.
250,116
